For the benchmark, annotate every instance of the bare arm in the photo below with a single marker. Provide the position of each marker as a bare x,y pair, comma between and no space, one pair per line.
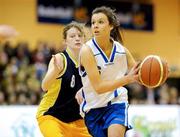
102,86
55,67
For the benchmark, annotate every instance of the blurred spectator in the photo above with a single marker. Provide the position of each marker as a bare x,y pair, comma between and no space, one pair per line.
137,94
163,94
173,96
150,96
12,98
2,98
21,73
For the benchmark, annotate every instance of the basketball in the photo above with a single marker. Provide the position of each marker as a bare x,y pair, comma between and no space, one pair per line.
153,71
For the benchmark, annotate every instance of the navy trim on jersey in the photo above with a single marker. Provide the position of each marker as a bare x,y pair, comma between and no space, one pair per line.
113,52
84,103
82,71
97,54
84,74
104,57
120,52
115,93
109,103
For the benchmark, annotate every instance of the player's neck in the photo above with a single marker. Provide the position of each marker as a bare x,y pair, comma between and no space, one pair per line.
74,53
104,43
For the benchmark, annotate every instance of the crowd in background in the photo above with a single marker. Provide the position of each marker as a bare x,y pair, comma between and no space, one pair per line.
21,72
22,69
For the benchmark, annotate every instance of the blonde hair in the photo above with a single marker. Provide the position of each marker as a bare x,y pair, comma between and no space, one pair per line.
76,25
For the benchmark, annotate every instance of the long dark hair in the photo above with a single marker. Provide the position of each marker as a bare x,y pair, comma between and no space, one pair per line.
112,18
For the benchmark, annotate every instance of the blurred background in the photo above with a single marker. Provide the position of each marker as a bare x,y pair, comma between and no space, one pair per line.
148,27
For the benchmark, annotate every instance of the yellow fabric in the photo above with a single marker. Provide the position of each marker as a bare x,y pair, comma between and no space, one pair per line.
51,95
49,98
52,127
72,57
65,65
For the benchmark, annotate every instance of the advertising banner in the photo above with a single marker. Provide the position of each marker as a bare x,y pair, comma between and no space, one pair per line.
154,121
147,121
18,121
136,16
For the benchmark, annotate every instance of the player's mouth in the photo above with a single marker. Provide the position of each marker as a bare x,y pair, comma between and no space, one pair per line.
78,44
96,32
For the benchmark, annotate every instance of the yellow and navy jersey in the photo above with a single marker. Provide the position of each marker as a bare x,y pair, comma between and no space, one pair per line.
59,101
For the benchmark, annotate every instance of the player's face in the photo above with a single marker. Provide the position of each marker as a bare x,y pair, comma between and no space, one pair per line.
100,25
74,38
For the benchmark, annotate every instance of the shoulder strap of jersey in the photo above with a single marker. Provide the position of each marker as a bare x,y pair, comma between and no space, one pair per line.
64,64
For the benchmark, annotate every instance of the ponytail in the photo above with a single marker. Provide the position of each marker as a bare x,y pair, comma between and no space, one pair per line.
116,35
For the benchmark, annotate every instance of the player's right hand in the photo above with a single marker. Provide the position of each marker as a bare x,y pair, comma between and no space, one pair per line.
134,72
58,64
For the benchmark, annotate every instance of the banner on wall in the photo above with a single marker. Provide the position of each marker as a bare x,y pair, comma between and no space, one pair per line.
147,121
18,121
131,15
154,121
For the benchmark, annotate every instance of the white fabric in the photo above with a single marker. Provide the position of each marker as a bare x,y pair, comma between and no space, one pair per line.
111,70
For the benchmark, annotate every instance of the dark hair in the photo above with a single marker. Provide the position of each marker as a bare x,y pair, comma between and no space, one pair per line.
112,18
74,24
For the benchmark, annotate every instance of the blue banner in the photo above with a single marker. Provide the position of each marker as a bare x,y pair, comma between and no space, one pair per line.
131,15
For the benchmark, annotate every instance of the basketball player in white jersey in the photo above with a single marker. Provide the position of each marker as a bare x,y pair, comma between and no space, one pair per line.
104,72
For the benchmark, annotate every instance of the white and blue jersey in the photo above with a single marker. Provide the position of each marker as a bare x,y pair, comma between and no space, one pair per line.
102,110
110,69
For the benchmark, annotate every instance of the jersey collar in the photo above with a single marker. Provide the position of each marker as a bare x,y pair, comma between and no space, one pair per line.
106,59
72,57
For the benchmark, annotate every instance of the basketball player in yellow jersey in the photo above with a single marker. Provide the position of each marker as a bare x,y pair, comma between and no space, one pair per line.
58,112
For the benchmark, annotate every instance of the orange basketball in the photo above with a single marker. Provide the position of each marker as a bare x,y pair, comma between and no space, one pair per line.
153,71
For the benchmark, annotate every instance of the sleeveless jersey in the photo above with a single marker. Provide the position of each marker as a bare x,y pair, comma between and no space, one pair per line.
110,69
59,101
